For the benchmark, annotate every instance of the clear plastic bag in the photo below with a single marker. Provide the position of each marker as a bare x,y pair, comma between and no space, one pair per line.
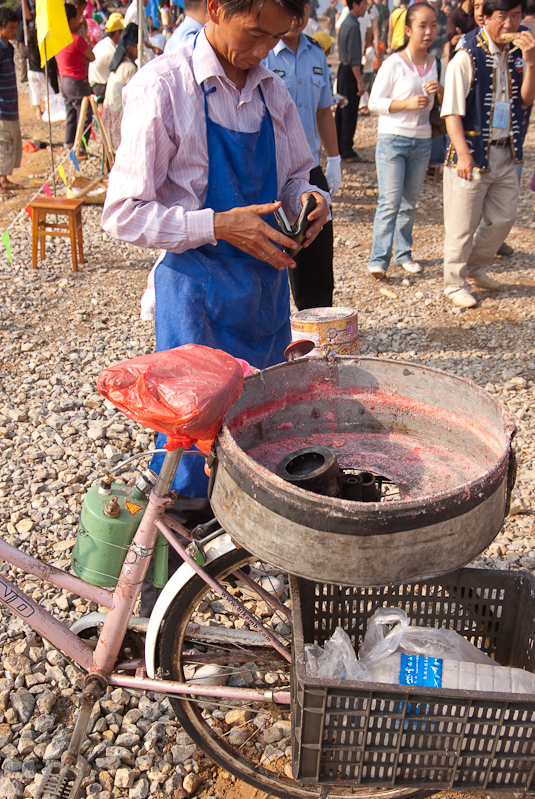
184,392
390,631
336,660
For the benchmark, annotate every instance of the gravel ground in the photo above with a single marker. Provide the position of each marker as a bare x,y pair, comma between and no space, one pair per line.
60,329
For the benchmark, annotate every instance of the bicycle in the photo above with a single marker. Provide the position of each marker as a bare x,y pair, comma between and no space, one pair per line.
186,657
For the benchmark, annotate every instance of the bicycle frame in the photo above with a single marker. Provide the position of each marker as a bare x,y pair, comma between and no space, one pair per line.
121,603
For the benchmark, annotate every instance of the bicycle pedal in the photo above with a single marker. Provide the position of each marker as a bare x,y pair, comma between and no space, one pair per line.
60,782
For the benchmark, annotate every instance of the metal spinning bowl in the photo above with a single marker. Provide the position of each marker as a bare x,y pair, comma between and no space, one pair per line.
444,442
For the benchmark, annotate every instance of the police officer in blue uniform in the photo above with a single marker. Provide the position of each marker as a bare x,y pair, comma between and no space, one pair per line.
301,63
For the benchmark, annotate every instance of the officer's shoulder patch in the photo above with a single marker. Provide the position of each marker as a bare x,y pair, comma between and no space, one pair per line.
313,41
317,70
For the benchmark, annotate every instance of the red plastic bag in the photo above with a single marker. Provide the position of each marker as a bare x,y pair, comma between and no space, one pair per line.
184,392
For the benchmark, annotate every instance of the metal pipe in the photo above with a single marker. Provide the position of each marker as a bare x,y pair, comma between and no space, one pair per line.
140,32
55,576
167,472
220,692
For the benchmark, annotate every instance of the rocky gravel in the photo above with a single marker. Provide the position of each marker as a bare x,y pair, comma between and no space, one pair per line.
60,329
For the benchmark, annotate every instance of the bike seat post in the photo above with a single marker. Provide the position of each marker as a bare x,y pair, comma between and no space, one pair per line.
167,472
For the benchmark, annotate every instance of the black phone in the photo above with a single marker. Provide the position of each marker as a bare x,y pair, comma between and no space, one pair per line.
297,231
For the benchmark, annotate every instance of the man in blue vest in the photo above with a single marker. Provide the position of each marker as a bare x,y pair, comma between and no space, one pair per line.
489,83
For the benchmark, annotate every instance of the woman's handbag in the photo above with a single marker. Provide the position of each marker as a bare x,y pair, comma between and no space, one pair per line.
438,123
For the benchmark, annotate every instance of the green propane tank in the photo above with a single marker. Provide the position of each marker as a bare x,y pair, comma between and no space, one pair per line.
110,516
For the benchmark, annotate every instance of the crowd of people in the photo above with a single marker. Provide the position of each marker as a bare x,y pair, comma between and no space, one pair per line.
471,66
470,62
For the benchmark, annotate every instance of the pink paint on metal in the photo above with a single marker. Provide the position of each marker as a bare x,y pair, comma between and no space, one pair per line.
421,469
375,402
55,576
45,624
221,692
128,586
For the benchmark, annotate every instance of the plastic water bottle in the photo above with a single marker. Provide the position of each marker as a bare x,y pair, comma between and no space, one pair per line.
420,670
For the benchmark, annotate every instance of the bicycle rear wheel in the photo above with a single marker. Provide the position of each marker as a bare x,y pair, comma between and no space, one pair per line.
251,741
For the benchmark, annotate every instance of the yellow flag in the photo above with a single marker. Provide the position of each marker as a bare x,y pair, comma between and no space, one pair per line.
62,173
52,27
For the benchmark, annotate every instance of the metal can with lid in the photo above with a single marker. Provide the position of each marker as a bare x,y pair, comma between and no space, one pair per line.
333,330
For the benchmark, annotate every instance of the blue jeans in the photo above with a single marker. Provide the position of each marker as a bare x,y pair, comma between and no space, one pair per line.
401,166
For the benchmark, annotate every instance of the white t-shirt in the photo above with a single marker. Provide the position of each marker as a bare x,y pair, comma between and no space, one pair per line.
99,69
343,14
396,80
365,23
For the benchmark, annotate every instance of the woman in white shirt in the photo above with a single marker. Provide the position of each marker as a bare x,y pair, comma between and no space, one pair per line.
403,95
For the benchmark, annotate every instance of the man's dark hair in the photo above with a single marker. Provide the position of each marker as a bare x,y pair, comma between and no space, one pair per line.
490,6
7,15
295,8
71,11
351,3
530,8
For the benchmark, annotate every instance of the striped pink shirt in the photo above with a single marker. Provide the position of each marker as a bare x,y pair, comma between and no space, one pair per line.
158,184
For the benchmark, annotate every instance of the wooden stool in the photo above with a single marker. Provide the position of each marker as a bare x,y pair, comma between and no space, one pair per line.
72,209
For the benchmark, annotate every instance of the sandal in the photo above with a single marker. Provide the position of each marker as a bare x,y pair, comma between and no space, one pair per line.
11,186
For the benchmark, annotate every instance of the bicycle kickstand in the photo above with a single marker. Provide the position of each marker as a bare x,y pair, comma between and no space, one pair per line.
64,780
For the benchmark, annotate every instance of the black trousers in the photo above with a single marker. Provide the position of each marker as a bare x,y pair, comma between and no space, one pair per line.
73,91
346,118
312,279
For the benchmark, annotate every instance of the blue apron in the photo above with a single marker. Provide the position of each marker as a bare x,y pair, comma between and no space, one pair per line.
219,295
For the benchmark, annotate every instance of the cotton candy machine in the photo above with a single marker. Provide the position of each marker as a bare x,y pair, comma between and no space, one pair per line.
441,444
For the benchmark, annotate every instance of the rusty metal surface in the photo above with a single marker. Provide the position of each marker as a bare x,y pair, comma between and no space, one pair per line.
443,440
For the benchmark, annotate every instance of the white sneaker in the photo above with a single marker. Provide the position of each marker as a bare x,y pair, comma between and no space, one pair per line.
412,267
463,299
378,272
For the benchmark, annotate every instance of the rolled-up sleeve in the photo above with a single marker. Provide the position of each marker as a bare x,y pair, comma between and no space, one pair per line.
134,211
457,85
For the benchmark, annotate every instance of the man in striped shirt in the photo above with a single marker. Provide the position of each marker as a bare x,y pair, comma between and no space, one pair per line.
10,140
209,139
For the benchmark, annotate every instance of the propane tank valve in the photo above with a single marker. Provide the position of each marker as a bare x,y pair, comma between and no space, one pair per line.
112,508
105,485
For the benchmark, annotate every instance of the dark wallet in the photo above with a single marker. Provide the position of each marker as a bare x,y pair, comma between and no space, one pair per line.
297,231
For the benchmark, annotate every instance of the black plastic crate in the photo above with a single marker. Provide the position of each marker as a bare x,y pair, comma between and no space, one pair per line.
373,734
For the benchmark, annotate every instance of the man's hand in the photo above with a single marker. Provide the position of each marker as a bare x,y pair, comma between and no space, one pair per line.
318,216
465,165
244,228
525,41
361,88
